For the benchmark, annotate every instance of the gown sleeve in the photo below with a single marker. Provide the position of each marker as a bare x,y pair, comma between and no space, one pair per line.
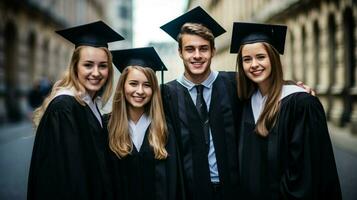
310,168
57,168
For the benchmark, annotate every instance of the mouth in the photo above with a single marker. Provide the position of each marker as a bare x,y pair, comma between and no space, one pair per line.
138,99
197,64
257,72
94,81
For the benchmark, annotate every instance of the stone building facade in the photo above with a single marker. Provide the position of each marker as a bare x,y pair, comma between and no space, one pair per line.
30,50
320,50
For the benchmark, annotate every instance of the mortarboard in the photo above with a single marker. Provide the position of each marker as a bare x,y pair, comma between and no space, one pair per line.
247,33
145,57
96,34
196,15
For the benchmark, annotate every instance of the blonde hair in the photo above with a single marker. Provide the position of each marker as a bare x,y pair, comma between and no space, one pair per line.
70,80
246,88
119,139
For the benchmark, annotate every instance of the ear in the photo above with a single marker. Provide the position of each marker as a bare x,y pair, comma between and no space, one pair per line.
213,51
180,52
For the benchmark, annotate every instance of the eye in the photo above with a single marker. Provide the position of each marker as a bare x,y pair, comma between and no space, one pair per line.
88,65
147,85
189,49
204,49
247,59
103,65
133,84
261,57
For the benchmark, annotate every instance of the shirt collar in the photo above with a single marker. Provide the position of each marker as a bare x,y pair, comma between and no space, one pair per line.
190,85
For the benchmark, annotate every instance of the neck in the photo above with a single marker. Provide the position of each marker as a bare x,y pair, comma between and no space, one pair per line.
263,88
135,114
197,78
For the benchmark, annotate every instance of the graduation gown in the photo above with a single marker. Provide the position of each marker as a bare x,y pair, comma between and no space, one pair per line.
296,160
140,176
70,154
182,115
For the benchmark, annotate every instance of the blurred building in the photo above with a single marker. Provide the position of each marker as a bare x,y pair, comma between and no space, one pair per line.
320,48
120,15
30,50
169,54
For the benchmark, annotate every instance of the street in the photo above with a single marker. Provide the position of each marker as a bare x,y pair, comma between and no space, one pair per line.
16,143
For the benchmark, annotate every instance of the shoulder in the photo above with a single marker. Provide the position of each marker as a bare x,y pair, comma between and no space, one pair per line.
63,103
304,101
168,87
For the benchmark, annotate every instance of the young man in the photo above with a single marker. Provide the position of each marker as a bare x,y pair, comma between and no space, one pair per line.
202,107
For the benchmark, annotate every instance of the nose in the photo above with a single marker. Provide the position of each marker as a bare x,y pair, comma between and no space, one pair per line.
197,54
140,89
255,62
95,71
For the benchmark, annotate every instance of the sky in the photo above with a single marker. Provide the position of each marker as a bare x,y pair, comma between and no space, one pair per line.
149,15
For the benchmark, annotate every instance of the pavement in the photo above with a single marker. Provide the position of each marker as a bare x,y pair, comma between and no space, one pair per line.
16,142
341,137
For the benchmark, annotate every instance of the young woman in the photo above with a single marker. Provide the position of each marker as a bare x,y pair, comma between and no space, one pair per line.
145,158
69,159
285,150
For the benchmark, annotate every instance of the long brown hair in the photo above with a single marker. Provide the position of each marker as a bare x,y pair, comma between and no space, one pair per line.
119,139
246,88
70,80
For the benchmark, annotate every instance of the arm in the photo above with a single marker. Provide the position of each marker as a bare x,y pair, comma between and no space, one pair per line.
57,168
310,171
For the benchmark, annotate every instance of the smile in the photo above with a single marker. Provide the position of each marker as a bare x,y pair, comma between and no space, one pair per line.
197,64
94,81
257,72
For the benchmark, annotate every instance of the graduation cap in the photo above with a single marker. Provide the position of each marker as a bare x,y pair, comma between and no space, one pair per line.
196,15
247,33
144,57
96,34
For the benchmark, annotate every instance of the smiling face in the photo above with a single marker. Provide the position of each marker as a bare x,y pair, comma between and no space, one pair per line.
138,90
257,65
196,53
92,69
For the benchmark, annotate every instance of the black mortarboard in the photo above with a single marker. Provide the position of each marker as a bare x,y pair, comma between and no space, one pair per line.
96,34
196,15
145,57
246,33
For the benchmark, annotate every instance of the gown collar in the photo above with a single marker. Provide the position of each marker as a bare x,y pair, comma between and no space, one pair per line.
92,103
190,85
258,101
137,131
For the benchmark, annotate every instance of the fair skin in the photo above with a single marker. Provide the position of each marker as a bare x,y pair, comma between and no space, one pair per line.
92,69
196,54
138,93
257,65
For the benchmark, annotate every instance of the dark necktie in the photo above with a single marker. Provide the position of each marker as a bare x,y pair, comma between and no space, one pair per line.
202,110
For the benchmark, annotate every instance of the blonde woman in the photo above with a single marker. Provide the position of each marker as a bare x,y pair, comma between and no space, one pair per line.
285,150
69,159
138,135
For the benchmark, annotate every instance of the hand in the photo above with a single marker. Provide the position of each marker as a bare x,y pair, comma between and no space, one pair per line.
307,88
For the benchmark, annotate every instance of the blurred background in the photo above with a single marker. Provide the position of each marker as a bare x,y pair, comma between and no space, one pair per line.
321,51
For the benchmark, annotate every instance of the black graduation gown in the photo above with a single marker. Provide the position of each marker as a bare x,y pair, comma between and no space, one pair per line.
70,154
296,160
182,115
140,176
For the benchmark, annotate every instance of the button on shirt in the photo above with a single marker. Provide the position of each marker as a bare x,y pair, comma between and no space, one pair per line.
207,93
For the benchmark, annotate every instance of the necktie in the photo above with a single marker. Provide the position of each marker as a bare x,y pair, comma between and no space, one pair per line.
202,110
